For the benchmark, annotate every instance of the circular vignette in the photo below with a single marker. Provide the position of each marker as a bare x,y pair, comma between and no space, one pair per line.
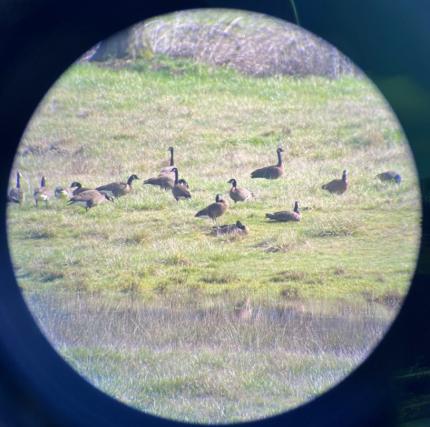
81,403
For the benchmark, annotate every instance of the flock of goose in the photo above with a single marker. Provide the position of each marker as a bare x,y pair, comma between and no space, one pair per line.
168,179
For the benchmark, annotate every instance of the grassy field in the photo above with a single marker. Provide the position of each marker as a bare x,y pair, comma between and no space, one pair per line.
101,124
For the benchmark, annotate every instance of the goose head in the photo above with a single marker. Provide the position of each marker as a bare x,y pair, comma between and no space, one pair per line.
232,181
132,178
240,225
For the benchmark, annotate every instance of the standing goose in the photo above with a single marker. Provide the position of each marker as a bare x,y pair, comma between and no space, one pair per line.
42,194
337,186
166,182
180,189
168,169
271,172
16,195
77,188
238,194
235,229
214,210
90,198
392,176
285,216
118,189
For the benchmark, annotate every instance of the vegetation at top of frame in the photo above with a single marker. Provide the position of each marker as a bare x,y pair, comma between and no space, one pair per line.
101,124
248,42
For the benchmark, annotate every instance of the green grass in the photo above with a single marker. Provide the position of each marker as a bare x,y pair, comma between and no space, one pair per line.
223,125
100,124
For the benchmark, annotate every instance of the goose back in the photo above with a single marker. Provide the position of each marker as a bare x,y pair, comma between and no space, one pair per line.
271,172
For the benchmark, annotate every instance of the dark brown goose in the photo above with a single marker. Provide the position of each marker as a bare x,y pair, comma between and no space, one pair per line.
392,176
180,189
168,169
214,210
77,188
16,195
285,216
234,229
118,189
42,194
238,194
271,172
166,182
90,198
337,186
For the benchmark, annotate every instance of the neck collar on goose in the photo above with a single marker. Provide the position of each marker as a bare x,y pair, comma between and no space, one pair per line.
344,176
172,161
43,182
296,207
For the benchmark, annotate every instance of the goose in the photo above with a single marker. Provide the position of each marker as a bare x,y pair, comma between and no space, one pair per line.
77,188
214,210
42,193
180,189
390,176
168,169
166,182
238,194
90,198
118,189
337,186
285,216
271,172
16,195
243,311
62,193
236,229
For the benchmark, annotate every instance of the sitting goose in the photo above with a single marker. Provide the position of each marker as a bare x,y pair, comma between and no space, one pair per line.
271,172
16,195
235,229
238,194
90,198
42,193
168,169
392,176
180,189
214,210
118,189
285,216
337,186
77,188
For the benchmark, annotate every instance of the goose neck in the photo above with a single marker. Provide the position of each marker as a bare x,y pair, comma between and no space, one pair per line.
279,158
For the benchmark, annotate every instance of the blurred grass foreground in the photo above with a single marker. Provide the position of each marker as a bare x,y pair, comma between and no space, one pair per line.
138,295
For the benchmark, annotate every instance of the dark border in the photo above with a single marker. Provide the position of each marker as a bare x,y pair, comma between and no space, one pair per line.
40,39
